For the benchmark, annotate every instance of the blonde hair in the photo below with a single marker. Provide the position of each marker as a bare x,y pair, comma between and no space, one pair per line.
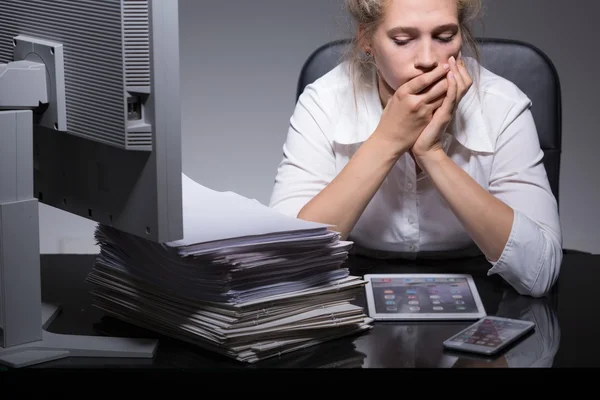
370,13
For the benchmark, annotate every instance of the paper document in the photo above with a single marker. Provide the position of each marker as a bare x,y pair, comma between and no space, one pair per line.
212,216
246,281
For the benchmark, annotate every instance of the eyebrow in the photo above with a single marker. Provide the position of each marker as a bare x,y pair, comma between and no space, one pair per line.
414,31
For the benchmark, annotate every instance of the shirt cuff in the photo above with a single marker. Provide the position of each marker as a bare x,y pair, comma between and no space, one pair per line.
523,256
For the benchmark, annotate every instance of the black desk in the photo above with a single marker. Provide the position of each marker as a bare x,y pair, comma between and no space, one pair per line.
567,334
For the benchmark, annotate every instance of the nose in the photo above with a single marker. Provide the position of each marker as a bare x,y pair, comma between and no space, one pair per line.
425,59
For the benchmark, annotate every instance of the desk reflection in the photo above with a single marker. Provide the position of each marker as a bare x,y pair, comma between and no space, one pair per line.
386,345
393,344
419,345
539,349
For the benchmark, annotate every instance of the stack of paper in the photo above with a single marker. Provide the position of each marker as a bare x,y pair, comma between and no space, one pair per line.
245,281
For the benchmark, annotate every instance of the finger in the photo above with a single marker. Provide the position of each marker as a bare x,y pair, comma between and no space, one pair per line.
452,95
438,90
422,82
457,75
466,77
447,108
435,106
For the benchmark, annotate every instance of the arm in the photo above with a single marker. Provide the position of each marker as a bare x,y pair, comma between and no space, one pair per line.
532,257
307,186
342,202
487,219
516,223
308,163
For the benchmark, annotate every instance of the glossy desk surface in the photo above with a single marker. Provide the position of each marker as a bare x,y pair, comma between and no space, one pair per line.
567,332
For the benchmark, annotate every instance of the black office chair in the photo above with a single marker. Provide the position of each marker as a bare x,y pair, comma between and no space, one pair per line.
522,63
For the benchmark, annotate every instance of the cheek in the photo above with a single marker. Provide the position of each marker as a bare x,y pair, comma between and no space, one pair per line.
393,68
452,49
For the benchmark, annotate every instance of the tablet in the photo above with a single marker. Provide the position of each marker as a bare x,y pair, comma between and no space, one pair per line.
423,297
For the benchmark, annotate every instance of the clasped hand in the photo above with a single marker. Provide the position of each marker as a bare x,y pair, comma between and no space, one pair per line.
418,113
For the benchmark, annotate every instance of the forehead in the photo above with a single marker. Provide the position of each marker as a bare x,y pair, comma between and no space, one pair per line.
421,13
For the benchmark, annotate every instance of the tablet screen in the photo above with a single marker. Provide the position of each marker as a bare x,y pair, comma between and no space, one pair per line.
423,295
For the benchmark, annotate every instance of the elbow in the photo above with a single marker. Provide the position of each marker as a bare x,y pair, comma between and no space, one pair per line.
541,288
549,269
539,292
307,215
531,264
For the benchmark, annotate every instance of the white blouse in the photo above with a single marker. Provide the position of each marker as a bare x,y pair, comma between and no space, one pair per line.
492,137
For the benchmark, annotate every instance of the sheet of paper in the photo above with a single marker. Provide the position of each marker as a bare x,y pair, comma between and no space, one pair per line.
211,216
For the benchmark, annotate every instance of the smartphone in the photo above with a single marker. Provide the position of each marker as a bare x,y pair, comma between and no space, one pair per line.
489,335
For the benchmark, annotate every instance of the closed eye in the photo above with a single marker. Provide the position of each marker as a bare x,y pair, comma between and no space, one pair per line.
401,42
445,39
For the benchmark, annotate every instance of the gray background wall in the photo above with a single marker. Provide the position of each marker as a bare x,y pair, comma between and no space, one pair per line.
240,63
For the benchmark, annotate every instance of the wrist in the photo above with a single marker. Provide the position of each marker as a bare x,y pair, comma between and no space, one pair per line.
391,149
431,159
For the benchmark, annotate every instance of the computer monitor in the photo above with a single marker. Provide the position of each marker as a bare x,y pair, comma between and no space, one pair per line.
90,123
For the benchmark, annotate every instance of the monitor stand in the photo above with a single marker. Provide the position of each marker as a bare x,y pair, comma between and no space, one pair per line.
55,346
24,318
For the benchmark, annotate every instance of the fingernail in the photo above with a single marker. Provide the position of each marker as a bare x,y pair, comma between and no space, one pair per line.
451,74
452,59
446,66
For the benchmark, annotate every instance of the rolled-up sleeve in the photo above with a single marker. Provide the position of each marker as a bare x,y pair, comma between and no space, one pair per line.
533,255
308,163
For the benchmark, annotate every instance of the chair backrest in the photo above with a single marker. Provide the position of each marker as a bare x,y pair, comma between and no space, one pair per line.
521,63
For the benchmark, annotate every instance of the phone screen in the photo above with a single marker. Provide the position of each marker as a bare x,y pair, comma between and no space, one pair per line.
489,335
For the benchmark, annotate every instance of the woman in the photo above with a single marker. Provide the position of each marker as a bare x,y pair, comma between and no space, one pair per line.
411,150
